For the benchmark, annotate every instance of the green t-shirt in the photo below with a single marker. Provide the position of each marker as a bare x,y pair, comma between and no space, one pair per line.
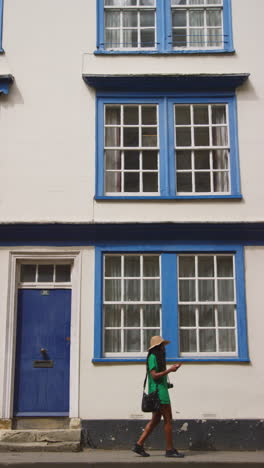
161,383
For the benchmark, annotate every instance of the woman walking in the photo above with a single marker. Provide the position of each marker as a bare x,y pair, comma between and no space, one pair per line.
157,378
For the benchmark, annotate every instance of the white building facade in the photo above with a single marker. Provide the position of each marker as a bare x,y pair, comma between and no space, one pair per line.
131,206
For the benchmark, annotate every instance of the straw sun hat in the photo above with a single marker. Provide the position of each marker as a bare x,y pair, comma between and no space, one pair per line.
156,341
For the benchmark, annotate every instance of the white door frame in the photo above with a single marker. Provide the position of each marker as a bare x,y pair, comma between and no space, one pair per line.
11,325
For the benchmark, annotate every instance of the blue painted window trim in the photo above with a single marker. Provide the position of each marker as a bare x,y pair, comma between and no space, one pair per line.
166,137
164,46
169,301
1,24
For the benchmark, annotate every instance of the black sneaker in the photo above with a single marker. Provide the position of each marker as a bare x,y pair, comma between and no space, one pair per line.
173,453
139,449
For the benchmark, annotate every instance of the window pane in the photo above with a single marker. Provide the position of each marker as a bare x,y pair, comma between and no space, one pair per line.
45,273
132,290
112,290
196,18
206,316
179,18
205,266
149,115
150,160
131,182
130,38
214,37
150,182
149,136
112,38
184,159
218,114
221,181
179,37
214,17
206,290
112,115
183,136
151,315
112,316
182,115
112,19
201,136
130,115
220,159
147,2
112,136
113,182
147,37
187,266
197,38
112,266
220,136
131,316
112,341
225,266
131,265
226,315
28,273
131,340
202,182
62,273
113,159
188,341
207,340
184,182
225,290
187,316
187,290
150,266
227,340
151,290
131,136
147,18
200,115
131,159
129,19
202,160
178,2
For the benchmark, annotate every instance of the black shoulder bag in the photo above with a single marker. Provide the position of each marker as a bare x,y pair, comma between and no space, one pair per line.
150,402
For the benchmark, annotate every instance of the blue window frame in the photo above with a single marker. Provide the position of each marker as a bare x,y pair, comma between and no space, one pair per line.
218,324
164,27
1,23
190,143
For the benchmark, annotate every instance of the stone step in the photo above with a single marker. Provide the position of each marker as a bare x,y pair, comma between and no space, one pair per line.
40,447
36,435
41,423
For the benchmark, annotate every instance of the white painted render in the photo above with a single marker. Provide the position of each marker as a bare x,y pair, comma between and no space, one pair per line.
47,122
201,390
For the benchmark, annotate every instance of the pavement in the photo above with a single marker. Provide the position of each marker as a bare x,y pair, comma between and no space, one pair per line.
125,458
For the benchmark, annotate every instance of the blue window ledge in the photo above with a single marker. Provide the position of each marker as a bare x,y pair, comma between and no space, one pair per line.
5,83
179,197
170,320
164,33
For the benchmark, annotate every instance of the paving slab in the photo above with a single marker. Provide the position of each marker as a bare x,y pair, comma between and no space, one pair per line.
124,458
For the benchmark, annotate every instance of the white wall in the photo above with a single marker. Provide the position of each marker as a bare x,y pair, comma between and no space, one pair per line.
47,158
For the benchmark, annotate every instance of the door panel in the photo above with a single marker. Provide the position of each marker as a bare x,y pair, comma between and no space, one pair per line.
43,322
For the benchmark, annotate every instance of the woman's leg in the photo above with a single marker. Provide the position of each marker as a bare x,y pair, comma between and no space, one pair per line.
156,417
167,415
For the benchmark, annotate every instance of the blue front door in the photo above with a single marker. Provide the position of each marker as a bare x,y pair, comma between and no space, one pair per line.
42,352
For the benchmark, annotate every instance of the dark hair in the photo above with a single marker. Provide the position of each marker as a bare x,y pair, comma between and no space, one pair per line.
160,354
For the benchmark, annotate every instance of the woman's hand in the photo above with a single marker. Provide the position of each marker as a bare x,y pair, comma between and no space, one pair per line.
174,367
